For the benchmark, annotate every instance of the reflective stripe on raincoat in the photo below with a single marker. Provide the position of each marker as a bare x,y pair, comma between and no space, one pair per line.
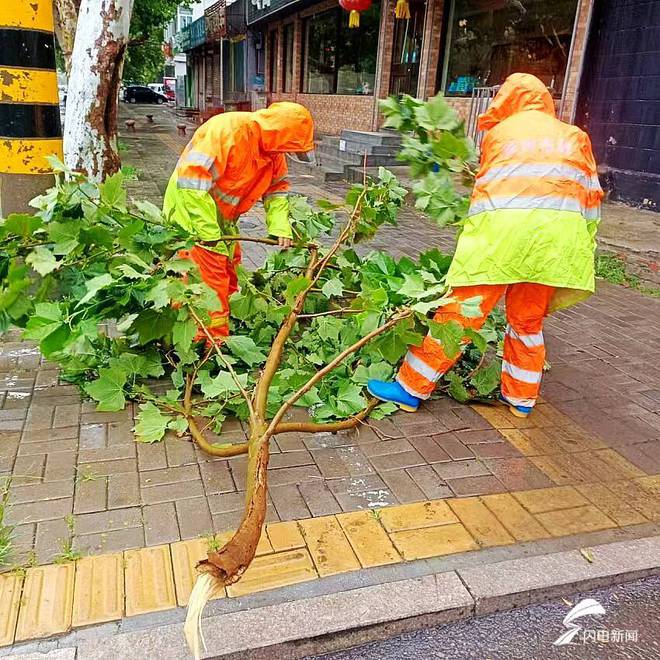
535,206
231,162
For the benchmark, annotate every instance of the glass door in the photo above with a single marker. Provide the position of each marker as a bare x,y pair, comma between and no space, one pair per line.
407,51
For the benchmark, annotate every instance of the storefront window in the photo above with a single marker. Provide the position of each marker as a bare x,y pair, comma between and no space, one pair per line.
233,65
490,39
338,59
272,60
288,57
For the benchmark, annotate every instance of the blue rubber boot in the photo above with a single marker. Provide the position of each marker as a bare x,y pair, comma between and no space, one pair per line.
394,393
516,411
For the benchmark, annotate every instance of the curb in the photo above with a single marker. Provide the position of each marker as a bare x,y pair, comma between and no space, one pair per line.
335,621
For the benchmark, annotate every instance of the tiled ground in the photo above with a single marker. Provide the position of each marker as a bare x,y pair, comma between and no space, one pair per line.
78,475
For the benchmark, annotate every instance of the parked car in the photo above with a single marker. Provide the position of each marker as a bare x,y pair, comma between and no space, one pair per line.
142,94
162,88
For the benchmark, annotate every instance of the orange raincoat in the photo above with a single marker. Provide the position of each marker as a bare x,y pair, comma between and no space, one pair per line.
529,236
231,162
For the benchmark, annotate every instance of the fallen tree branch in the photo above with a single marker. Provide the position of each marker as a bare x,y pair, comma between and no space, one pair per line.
230,369
331,366
330,427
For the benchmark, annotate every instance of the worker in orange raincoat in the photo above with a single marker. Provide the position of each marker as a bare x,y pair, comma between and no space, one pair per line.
231,162
529,236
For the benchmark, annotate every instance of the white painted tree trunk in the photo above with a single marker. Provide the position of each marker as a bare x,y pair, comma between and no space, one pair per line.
90,131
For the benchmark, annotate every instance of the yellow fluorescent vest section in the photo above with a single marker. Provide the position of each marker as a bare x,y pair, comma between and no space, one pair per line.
28,155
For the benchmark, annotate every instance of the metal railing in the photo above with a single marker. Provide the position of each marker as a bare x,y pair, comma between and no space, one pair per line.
479,103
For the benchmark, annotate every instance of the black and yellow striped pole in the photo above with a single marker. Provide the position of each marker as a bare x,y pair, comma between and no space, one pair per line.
30,126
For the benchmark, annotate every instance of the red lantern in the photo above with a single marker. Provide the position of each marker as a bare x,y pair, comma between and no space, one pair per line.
355,7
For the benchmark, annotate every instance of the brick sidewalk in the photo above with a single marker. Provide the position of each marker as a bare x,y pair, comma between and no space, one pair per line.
78,475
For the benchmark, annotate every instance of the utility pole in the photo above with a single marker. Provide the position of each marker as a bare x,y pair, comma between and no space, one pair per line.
30,126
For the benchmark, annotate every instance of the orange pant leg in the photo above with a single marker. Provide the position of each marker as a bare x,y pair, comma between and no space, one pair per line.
524,346
425,364
217,271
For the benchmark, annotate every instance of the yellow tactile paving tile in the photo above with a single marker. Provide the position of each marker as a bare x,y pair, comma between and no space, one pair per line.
638,497
619,464
285,536
10,598
433,541
416,515
571,436
185,557
540,500
263,547
577,520
368,539
47,601
278,569
516,520
328,545
562,469
611,505
98,594
651,484
149,581
530,442
482,524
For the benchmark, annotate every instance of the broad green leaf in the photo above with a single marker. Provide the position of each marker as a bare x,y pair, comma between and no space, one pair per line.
487,378
332,287
294,287
328,328
21,224
350,399
151,423
183,334
245,349
96,236
436,114
179,424
457,390
150,211
112,192
56,164
413,287
159,295
384,410
128,271
151,324
220,385
449,334
471,307
42,260
108,389
95,285
477,339
64,235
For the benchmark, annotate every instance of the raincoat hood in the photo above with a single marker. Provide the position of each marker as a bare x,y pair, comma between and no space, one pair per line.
520,92
285,126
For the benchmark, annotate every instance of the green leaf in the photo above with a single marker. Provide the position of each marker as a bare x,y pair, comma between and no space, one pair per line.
47,317
149,210
471,307
55,341
436,114
328,328
486,379
221,385
449,334
112,192
42,260
183,334
477,339
294,287
179,425
332,287
457,390
350,399
108,389
151,324
413,287
245,349
151,423
64,235
159,295
384,410
129,272
94,285
96,236
21,224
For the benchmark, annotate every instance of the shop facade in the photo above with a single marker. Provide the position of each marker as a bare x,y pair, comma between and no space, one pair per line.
457,47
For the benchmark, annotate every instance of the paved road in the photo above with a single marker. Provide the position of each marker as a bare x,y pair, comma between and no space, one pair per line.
528,633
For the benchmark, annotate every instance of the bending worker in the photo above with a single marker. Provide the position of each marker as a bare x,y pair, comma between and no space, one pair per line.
231,162
529,236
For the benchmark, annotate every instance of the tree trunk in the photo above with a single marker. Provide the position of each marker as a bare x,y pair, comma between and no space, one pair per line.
90,132
66,18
